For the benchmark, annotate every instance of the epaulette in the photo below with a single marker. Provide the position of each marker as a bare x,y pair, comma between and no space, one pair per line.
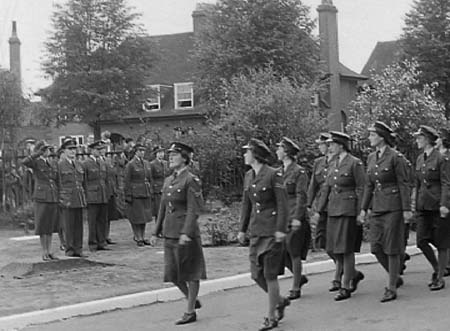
279,173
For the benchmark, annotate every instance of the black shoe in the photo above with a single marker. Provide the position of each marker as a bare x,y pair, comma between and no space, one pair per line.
447,272
355,281
389,295
110,242
294,294
281,307
198,304
140,243
399,282
343,294
303,280
437,285
335,286
46,258
187,318
434,277
268,324
407,257
146,242
134,238
103,248
81,255
52,257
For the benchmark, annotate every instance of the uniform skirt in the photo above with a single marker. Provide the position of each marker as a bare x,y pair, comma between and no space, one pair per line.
298,241
139,211
387,233
433,229
183,262
343,235
266,258
46,218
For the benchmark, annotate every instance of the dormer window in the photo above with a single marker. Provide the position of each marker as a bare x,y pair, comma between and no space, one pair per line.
184,95
153,103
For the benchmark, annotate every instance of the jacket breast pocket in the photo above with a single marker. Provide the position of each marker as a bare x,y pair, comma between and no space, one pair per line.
290,187
40,193
433,173
266,193
92,193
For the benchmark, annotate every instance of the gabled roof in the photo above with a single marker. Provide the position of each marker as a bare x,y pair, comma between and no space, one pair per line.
175,64
385,53
350,74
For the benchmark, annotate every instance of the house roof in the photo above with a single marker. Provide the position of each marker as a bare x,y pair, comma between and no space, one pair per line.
350,74
385,53
176,64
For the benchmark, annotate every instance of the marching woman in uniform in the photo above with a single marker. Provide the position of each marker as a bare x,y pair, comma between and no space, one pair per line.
432,204
315,196
387,190
45,196
265,213
180,207
299,235
137,190
343,189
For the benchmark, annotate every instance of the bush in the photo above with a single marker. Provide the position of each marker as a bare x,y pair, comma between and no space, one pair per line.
222,227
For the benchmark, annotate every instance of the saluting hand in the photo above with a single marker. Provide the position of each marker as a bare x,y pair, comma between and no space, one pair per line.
184,239
279,236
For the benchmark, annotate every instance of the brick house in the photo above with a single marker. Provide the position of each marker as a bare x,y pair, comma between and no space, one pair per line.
175,110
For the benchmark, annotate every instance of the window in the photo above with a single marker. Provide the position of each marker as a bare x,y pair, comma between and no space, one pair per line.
184,95
153,103
79,139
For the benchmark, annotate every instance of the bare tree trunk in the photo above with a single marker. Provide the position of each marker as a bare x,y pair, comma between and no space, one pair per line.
3,170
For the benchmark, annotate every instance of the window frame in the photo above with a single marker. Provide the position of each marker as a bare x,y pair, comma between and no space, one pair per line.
175,92
157,87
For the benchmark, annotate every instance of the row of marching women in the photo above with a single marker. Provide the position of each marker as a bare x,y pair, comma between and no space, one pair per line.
99,184
342,194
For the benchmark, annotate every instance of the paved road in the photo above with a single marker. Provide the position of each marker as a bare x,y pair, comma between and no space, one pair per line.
417,308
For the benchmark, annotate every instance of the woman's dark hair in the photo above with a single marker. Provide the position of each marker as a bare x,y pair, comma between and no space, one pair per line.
259,158
186,156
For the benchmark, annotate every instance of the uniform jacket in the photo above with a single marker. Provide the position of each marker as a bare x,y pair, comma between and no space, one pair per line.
45,175
137,179
295,180
95,180
432,181
111,177
160,170
344,187
318,177
181,204
264,203
70,183
387,183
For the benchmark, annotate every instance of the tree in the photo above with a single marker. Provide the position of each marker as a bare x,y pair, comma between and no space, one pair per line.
10,114
245,35
259,105
426,38
395,98
99,61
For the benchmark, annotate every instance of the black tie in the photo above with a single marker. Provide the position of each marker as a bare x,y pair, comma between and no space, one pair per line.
425,156
378,155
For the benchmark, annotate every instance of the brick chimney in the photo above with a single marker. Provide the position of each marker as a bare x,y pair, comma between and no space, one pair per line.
14,53
200,17
329,58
